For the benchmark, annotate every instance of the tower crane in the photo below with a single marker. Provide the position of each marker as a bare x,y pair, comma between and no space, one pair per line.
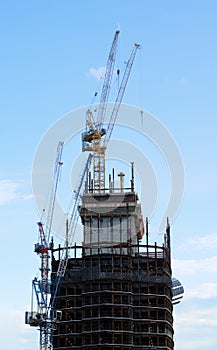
42,287
94,129
43,247
93,140
46,290
97,145
53,315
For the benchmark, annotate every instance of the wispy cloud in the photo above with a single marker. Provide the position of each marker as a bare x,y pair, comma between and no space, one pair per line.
198,317
206,242
97,73
197,278
198,325
203,291
194,266
16,333
11,190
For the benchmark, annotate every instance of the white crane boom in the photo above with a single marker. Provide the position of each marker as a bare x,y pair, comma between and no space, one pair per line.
56,176
69,239
94,129
107,82
120,94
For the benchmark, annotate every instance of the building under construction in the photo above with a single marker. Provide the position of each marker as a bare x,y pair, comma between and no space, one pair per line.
116,292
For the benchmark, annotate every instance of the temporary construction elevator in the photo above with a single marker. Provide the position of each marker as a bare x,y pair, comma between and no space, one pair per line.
117,292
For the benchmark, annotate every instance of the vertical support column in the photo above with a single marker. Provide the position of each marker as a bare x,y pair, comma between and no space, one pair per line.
147,233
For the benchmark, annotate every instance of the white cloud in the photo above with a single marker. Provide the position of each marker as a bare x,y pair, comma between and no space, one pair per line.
97,73
9,191
15,334
198,278
205,242
198,317
195,328
203,291
193,266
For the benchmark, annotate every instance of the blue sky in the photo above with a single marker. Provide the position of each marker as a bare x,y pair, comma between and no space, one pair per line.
47,51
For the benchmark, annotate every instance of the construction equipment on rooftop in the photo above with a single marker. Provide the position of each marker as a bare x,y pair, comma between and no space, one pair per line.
93,140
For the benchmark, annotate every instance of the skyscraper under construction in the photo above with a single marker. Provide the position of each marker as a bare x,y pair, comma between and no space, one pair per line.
117,291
